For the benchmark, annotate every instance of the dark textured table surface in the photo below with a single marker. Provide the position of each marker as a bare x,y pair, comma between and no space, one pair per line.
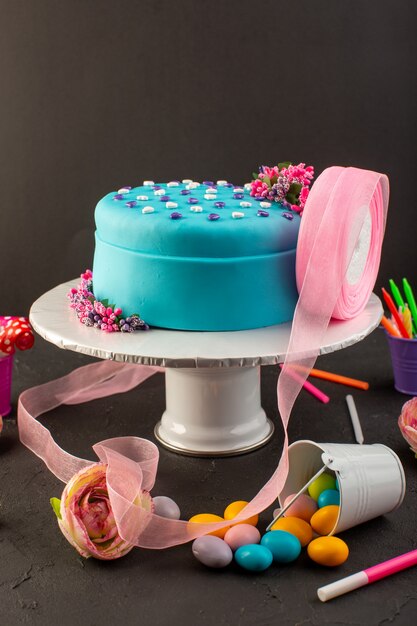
44,581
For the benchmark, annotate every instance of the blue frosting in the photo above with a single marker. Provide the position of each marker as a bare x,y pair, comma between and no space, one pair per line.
192,273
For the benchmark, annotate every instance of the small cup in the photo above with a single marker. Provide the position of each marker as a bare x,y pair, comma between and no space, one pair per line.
371,478
6,367
404,363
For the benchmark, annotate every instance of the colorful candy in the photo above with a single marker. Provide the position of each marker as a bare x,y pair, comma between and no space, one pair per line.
297,527
166,507
328,497
235,508
304,507
329,551
212,551
285,547
241,535
207,518
254,557
325,481
324,520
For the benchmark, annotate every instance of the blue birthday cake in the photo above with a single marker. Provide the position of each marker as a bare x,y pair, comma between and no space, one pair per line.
202,256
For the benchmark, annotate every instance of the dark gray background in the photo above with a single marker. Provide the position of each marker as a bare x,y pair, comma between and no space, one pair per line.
97,94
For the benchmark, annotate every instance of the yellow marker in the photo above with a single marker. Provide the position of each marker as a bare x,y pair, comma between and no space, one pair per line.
407,320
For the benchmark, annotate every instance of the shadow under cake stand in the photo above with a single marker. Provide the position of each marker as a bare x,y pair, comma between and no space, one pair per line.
212,379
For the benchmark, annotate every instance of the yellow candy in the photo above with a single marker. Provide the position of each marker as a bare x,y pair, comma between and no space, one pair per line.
329,551
324,520
295,526
323,482
207,518
235,508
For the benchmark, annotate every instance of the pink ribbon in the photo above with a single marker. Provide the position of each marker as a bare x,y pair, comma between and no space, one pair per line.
332,221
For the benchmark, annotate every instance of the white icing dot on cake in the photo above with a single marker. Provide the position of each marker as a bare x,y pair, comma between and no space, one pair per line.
237,215
222,183
148,183
173,183
142,198
238,190
171,205
211,190
193,185
265,205
123,190
209,196
186,181
196,209
159,192
148,209
245,205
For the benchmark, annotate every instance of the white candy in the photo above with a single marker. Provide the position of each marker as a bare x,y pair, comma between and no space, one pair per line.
238,190
193,185
148,209
211,190
148,183
245,205
210,196
248,186
265,205
142,198
237,215
159,192
187,180
196,209
222,183
173,183
123,190
171,205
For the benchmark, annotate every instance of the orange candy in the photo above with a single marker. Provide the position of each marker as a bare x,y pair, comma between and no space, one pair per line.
298,527
235,508
207,518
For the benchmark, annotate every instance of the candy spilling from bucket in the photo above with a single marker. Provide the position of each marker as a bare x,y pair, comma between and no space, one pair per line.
361,482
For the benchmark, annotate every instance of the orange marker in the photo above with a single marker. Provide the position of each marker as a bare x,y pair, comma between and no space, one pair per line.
389,327
337,378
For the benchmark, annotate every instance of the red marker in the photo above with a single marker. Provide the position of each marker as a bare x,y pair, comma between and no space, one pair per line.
392,308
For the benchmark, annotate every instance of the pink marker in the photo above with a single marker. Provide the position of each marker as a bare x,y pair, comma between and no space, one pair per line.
367,576
307,386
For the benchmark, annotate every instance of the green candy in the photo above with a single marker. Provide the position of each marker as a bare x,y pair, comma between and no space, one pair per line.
323,482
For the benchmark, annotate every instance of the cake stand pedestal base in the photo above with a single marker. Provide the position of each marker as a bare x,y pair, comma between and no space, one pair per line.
213,411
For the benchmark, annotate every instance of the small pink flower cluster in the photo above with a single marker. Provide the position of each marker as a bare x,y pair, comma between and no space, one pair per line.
408,423
285,183
92,312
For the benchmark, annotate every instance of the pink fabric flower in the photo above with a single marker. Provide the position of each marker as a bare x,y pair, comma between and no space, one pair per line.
85,516
303,196
408,423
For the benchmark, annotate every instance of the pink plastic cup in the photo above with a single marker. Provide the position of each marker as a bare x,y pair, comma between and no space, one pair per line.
6,367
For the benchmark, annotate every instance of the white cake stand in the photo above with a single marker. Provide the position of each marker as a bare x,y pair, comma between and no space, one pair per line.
212,380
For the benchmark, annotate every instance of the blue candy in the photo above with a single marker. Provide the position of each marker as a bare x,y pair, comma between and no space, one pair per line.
284,546
328,497
254,557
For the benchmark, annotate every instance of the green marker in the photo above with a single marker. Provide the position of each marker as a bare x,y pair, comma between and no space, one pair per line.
410,299
396,293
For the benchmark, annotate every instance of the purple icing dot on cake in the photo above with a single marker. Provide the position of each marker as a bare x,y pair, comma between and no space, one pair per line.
175,215
229,185
238,196
213,217
262,213
192,200
220,205
185,192
156,187
164,198
131,204
118,196
209,183
259,199
288,216
127,187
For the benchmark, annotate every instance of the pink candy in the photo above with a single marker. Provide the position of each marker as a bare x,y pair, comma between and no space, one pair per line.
242,535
